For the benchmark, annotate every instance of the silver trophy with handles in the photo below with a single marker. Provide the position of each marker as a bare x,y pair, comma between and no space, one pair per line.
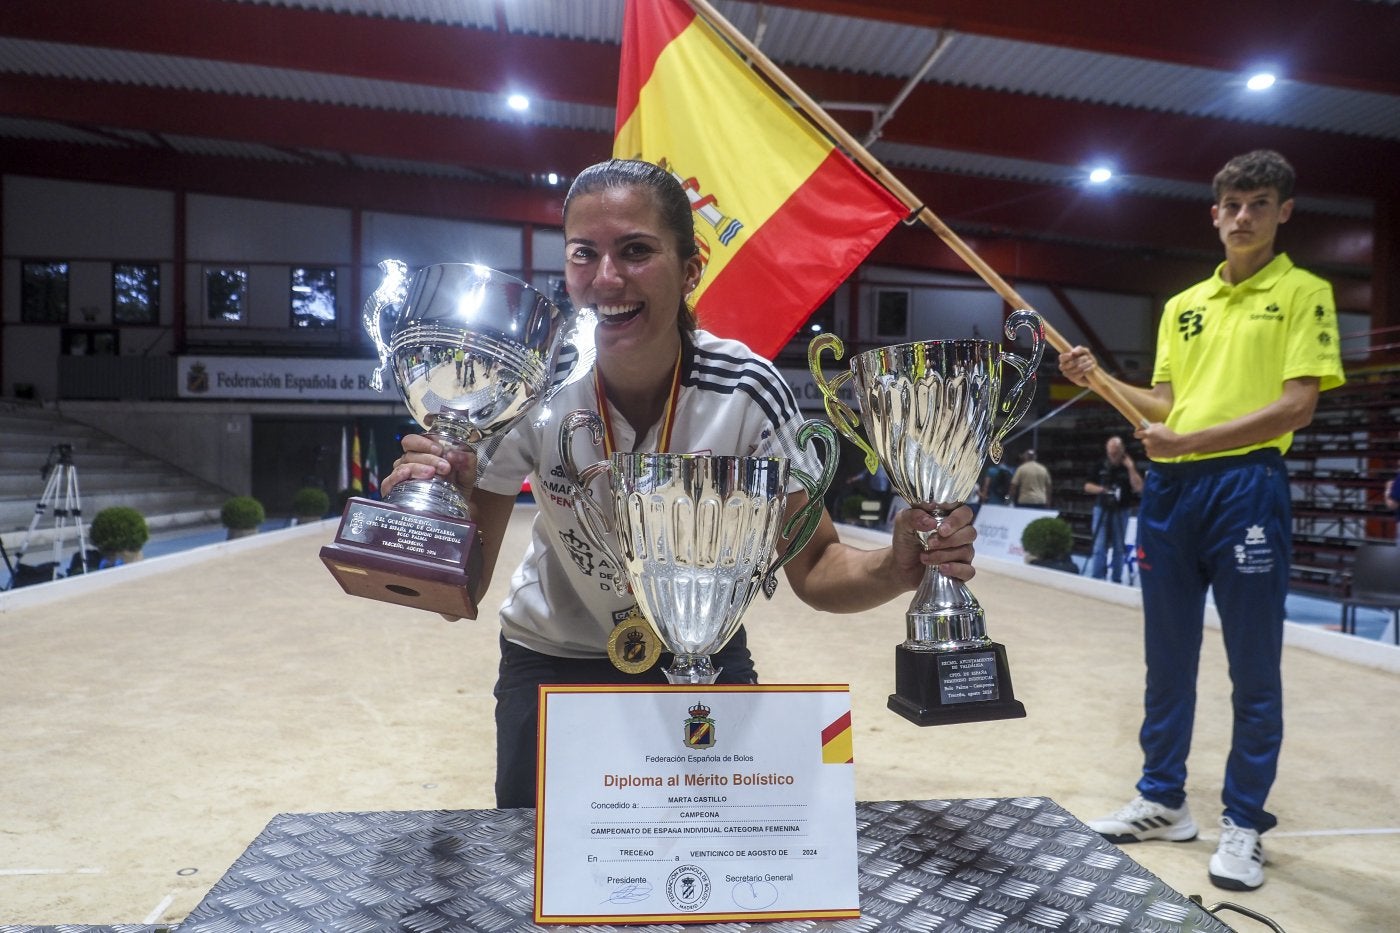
472,351
929,412
695,537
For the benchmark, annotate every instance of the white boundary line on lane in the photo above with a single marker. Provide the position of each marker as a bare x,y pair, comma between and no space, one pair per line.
1296,833
41,593
154,916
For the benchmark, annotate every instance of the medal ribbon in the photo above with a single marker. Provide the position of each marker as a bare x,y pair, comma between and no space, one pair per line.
663,437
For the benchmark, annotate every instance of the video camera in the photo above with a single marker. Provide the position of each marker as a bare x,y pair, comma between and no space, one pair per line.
59,455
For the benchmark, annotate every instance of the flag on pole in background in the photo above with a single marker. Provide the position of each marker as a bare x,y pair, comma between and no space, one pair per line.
357,481
371,467
343,477
782,216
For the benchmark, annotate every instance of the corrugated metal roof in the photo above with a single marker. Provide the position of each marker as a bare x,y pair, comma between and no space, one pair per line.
823,40
477,13
198,145
144,69
20,128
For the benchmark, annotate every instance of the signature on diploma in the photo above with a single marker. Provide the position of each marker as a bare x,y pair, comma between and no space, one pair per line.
754,895
629,893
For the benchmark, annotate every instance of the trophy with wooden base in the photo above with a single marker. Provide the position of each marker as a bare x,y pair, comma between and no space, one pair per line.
695,537
472,350
929,411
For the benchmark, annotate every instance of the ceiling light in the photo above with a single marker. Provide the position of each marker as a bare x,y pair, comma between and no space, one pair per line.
1260,82
1100,175
518,102
553,179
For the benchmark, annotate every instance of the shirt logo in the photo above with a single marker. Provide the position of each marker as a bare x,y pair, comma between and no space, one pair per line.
1190,323
1254,534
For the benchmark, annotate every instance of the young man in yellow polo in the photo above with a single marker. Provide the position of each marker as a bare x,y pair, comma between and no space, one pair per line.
1241,358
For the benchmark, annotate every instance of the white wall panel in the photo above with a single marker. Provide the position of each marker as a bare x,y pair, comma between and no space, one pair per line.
232,230
76,220
420,241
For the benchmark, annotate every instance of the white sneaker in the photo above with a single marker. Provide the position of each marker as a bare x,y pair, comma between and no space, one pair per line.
1142,820
1238,862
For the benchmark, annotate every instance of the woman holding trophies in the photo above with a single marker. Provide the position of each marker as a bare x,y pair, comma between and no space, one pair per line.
660,385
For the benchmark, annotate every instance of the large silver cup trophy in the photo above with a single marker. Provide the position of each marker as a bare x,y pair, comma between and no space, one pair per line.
929,411
695,537
473,350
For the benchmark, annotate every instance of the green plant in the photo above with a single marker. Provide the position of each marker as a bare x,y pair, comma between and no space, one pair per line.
1048,538
242,513
310,501
119,528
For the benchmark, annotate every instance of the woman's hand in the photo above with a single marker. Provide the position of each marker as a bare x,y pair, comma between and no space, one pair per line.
424,458
949,548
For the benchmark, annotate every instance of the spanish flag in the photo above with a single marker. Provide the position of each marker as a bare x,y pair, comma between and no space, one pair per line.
357,470
782,217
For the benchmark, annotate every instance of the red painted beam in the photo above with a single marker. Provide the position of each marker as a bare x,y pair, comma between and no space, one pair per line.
480,144
321,184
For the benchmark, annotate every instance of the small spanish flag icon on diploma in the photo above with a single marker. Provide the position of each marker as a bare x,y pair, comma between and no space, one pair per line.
837,748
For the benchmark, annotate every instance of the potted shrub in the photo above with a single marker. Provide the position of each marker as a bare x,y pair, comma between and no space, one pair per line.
119,533
242,515
1048,542
310,504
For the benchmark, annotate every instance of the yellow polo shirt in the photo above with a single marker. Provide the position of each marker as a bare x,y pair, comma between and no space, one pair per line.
1227,349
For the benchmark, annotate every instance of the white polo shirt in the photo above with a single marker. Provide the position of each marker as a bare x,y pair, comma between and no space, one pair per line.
561,602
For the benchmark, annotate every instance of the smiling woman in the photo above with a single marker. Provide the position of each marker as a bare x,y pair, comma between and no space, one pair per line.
662,385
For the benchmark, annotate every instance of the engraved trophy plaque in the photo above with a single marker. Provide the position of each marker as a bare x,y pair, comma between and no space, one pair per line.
696,537
929,409
473,350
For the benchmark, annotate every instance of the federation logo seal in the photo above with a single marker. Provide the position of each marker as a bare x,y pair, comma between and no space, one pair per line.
688,888
699,728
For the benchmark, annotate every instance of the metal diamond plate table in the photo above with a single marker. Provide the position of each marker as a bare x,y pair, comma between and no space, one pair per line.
1014,865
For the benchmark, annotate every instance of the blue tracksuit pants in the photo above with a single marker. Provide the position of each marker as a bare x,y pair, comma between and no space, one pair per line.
1225,525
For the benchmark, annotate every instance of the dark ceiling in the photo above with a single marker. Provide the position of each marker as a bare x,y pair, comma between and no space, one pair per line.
992,112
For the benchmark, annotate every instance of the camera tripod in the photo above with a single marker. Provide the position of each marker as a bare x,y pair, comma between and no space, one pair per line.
62,499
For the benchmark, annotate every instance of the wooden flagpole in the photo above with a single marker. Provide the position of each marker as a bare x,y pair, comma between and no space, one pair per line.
1097,381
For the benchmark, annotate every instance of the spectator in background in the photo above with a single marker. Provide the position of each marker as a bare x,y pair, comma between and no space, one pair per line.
1030,484
1114,484
1392,502
995,485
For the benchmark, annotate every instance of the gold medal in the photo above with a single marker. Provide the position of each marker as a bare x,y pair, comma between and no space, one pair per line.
633,647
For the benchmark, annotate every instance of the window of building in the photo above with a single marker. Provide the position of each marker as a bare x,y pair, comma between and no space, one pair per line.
90,341
43,292
313,296
226,294
135,293
892,312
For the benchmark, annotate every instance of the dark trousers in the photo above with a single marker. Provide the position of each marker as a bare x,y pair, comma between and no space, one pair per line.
522,671
1222,525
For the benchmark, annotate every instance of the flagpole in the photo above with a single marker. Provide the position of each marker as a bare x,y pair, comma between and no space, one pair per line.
1097,381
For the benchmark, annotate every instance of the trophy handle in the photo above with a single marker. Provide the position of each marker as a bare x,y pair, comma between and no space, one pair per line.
800,528
392,290
593,523
1018,400
579,336
841,414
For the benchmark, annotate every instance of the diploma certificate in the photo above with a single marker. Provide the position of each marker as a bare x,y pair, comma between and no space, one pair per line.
695,804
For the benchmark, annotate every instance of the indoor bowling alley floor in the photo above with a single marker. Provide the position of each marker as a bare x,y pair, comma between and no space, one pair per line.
154,717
